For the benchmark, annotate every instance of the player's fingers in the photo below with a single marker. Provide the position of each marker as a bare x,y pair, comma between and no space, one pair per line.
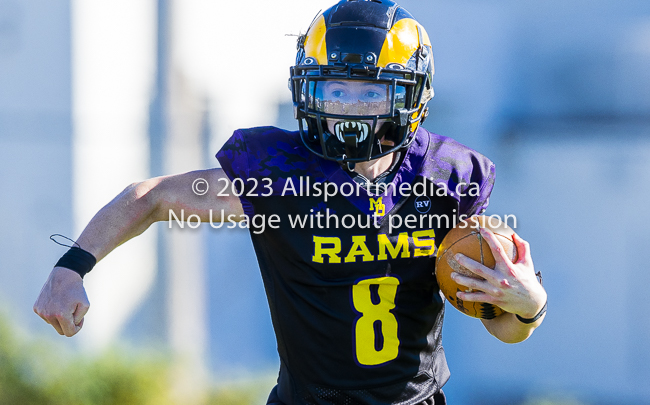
523,250
78,316
476,284
78,326
67,324
476,297
80,312
477,268
495,246
38,312
55,324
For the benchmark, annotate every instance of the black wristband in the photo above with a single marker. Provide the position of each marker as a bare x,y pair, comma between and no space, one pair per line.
536,317
77,260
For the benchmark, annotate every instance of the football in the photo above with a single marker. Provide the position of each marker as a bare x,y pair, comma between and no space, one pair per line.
466,239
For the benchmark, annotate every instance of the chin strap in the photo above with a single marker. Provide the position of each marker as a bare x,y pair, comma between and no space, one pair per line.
350,142
349,165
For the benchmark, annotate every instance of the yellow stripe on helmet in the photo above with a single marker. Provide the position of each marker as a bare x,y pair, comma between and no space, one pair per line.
414,126
315,45
401,42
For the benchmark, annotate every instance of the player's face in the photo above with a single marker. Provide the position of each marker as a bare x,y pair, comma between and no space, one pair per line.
353,98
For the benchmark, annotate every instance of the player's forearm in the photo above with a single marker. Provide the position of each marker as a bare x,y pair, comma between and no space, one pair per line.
63,302
508,329
126,216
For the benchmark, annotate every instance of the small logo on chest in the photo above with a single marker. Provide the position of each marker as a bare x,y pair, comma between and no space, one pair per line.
378,206
423,204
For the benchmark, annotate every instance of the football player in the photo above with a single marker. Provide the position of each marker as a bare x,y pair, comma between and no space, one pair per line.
355,305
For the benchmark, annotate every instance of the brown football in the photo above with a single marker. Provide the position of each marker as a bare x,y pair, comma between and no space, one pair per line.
466,239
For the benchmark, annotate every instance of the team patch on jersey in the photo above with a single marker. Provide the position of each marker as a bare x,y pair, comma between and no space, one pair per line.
423,204
378,206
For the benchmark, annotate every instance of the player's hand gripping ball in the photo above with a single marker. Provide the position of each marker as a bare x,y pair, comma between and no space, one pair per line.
466,239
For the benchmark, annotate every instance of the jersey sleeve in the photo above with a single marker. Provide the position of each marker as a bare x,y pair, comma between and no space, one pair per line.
466,174
233,158
482,178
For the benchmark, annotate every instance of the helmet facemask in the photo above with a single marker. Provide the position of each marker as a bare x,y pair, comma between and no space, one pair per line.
356,115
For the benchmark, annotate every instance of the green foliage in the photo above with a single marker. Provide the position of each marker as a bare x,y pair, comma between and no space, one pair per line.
233,396
110,379
34,373
14,385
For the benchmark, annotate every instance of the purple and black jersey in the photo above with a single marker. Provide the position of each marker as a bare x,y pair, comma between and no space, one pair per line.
349,278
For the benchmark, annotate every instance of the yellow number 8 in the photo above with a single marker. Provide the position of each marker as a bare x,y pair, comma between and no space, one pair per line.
365,338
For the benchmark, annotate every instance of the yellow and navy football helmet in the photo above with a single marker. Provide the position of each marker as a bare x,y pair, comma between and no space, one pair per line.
362,79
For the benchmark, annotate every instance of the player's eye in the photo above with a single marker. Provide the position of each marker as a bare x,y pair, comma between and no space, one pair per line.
373,95
338,93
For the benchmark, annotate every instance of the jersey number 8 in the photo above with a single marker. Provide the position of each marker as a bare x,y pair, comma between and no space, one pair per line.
375,332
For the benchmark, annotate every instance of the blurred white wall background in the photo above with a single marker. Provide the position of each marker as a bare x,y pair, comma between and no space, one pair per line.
35,147
113,65
556,93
